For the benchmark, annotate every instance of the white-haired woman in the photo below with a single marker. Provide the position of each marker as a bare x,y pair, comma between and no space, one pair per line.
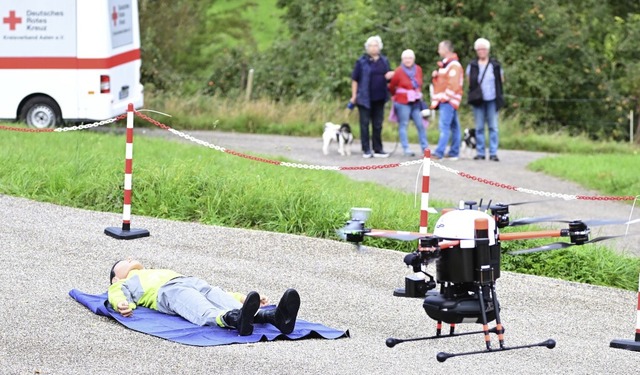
369,93
486,78
406,88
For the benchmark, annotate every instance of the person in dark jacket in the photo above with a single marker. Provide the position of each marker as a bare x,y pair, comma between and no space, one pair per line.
486,74
369,93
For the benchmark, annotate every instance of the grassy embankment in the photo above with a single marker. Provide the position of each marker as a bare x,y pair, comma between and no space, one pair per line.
190,183
613,174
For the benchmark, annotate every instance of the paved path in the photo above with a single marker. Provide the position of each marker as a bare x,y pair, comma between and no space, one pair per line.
46,250
512,169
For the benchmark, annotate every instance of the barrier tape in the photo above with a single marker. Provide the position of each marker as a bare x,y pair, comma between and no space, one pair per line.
326,167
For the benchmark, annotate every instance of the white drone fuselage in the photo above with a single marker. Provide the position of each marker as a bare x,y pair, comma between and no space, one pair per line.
460,224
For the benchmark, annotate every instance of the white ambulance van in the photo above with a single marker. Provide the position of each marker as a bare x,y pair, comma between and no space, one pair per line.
68,60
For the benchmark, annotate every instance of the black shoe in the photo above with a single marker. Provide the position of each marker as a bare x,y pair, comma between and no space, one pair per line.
494,158
380,154
478,157
242,319
284,316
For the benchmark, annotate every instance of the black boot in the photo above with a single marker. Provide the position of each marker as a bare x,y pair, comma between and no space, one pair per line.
242,319
284,316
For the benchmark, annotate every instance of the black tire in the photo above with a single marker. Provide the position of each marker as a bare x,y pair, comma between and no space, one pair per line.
41,112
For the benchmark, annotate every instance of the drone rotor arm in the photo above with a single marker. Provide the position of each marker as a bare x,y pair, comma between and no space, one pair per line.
530,235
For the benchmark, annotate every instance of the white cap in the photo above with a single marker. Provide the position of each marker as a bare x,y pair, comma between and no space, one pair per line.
408,53
374,39
482,43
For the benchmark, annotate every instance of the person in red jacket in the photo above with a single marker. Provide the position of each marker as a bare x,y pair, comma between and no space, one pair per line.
406,88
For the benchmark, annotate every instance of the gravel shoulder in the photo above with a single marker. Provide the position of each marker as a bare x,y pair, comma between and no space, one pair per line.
46,250
512,169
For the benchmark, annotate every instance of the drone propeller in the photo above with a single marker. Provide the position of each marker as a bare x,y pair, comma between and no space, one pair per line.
489,205
564,245
532,220
410,236
396,235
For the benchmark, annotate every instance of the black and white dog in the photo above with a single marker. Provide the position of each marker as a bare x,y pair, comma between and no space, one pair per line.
339,133
469,142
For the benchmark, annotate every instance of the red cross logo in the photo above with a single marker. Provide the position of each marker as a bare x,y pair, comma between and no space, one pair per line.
12,20
114,17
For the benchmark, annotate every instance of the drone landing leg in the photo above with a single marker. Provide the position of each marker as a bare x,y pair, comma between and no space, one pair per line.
452,329
499,326
439,328
443,356
391,342
485,324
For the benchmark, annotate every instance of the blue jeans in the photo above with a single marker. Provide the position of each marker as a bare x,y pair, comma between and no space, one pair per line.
195,300
449,128
404,112
486,112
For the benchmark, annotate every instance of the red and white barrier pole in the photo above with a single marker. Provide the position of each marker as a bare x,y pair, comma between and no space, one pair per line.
126,233
631,344
424,199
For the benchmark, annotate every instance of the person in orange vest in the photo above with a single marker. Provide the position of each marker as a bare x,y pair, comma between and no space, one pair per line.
447,82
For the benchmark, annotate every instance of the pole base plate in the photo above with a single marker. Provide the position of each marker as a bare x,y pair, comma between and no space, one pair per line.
626,344
131,234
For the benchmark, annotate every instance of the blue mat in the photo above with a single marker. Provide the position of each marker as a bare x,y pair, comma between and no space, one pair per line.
175,328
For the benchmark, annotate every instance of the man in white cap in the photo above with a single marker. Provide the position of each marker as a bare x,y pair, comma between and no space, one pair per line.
486,79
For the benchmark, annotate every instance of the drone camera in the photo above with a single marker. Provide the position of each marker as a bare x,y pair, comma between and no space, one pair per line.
415,287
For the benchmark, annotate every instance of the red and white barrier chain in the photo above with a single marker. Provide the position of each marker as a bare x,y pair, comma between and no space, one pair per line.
326,167
386,166
530,191
64,129
275,162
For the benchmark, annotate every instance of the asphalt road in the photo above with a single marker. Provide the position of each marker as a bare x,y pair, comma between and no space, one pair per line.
46,250
512,169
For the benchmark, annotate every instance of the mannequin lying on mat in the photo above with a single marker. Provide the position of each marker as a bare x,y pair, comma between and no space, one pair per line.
195,300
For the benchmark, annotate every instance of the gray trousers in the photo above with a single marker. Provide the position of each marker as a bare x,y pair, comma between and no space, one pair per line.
195,300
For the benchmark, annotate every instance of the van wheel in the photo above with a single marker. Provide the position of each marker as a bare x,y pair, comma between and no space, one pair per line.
41,112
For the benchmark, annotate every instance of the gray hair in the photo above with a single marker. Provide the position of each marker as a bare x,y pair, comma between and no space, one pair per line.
448,44
482,42
373,39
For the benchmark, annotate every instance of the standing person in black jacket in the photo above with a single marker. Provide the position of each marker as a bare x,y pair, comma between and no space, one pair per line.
486,79
369,92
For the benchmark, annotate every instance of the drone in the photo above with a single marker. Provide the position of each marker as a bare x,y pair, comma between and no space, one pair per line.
465,246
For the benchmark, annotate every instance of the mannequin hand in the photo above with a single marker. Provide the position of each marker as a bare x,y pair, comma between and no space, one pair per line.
264,301
124,309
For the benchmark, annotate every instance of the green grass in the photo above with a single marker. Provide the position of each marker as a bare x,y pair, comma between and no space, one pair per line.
189,183
307,118
613,174
264,17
